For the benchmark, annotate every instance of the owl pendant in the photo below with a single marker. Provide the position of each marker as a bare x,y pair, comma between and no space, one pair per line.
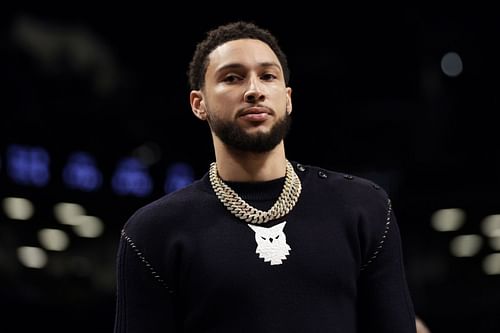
271,243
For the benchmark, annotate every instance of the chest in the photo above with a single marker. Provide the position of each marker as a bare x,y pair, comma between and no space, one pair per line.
314,251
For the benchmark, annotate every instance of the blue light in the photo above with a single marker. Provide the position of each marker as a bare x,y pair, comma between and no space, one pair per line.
81,172
132,178
28,165
179,175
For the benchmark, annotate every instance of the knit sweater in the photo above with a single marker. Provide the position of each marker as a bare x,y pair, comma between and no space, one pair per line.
186,264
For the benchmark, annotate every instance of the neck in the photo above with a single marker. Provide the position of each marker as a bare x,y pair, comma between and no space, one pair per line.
250,167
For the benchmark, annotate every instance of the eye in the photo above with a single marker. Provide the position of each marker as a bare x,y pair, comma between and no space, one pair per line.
268,77
231,78
277,236
264,238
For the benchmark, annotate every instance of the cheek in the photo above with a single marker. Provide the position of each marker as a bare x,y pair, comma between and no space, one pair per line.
225,100
279,93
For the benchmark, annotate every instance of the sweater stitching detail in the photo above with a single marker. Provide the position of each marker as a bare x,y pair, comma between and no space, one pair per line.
384,236
139,254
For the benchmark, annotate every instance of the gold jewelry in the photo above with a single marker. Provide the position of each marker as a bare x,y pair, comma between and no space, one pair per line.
241,209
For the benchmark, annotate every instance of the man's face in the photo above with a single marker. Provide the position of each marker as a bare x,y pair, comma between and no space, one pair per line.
246,100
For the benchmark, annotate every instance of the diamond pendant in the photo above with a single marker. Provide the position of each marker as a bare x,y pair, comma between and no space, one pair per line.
271,243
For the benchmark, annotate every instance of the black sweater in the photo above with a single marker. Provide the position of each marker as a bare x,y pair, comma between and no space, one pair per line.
186,264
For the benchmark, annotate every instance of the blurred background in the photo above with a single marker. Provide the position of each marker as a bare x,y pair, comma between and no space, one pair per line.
95,122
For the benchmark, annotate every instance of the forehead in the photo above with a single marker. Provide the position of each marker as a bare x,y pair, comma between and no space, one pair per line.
247,52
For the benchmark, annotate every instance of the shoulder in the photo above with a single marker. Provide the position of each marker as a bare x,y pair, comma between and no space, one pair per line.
362,203
167,212
344,186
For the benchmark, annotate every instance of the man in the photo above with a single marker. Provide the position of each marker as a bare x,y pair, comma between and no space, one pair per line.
260,243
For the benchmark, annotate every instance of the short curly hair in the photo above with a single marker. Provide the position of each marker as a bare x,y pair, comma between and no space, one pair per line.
226,33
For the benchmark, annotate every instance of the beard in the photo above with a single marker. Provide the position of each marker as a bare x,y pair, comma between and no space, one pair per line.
234,136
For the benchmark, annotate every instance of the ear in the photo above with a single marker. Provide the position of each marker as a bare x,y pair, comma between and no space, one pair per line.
198,104
280,226
254,227
288,100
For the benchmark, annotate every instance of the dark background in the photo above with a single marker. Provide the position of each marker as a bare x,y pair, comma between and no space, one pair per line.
369,98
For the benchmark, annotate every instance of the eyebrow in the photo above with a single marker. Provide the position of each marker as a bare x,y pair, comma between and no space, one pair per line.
238,65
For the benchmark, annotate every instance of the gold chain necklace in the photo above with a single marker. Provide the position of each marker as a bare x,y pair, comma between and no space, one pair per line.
241,209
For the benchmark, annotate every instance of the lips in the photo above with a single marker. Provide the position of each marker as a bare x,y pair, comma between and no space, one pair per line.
255,110
256,113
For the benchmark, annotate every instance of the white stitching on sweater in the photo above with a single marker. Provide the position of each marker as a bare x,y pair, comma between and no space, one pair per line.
145,261
384,236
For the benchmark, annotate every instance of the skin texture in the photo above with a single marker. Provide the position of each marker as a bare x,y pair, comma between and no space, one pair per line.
245,88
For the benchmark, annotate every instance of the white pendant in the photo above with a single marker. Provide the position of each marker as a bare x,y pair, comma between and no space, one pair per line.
271,243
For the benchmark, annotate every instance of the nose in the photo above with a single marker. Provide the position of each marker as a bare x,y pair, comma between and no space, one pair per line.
254,92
